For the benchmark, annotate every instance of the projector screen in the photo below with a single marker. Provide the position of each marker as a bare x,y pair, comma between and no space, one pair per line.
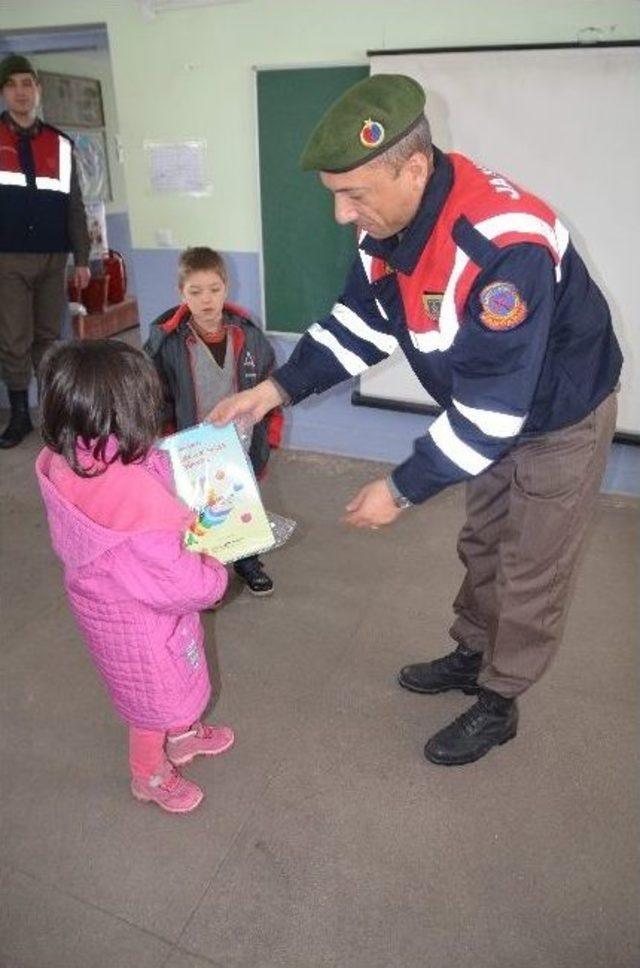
563,123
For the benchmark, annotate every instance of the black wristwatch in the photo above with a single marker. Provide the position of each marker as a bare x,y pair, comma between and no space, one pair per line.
399,499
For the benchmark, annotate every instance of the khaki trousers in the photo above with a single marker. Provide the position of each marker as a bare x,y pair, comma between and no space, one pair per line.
32,302
526,519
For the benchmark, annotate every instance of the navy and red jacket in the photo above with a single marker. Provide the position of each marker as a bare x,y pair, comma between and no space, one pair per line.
495,312
170,344
41,206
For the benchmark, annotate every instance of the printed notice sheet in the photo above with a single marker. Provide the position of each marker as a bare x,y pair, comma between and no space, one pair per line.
177,167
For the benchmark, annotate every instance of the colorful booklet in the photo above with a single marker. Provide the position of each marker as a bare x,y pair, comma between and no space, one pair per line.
213,475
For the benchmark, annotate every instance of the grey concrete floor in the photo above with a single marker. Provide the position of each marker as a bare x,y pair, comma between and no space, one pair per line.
325,839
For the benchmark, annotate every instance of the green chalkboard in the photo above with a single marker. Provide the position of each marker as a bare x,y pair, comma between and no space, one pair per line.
305,254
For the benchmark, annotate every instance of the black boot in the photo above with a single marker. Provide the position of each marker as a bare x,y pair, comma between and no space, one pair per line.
20,422
492,721
457,670
251,572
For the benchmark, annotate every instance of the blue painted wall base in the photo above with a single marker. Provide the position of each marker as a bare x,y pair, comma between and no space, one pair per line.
328,423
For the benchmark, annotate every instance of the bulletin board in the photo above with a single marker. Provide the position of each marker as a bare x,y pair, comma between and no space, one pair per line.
69,101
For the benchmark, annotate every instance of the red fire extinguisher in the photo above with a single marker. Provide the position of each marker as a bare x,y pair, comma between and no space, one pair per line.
113,266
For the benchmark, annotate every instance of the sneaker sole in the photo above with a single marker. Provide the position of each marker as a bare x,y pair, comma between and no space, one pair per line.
143,799
470,759
467,690
265,594
192,756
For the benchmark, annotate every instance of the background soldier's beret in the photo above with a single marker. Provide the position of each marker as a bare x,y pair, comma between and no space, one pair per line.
366,120
15,64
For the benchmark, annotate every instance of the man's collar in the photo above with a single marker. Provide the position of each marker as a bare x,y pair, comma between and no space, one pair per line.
402,251
28,132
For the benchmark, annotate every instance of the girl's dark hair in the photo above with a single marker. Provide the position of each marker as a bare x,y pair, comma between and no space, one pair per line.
90,390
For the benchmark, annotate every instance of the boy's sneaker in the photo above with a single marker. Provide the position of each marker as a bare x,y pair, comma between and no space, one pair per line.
253,574
202,739
169,790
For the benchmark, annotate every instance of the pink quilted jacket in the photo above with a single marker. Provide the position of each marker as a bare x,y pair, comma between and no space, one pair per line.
135,592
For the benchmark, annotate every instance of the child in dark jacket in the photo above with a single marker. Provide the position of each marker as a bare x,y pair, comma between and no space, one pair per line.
205,349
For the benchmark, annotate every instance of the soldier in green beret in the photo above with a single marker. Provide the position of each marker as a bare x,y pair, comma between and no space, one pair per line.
373,151
43,219
477,282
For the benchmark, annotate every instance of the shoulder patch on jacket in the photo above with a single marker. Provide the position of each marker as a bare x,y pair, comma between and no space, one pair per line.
502,306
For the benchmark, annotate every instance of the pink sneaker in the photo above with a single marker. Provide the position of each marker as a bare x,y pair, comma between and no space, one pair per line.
169,790
201,740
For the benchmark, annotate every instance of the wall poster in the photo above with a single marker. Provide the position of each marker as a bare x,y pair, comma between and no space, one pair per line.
71,101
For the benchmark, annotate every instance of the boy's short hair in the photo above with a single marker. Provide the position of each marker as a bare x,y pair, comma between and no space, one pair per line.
199,258
93,389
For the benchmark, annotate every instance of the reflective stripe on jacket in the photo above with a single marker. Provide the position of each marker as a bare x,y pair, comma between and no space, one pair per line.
495,312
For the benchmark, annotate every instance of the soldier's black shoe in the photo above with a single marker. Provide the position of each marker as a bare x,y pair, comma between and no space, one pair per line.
457,670
19,423
491,721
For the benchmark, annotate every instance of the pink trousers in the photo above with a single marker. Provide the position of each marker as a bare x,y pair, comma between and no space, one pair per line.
146,749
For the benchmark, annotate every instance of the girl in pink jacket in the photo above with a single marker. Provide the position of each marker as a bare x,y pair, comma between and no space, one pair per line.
134,590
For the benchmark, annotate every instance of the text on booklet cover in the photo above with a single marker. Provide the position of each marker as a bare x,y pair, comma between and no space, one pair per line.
213,476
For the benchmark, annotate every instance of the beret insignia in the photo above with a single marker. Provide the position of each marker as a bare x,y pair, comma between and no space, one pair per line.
371,134
502,306
364,122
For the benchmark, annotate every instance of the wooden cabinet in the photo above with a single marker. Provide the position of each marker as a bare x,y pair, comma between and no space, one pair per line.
115,319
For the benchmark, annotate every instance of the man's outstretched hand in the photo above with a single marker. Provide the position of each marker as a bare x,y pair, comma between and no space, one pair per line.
372,506
249,406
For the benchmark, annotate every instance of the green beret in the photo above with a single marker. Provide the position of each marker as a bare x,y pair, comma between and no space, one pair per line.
15,64
366,120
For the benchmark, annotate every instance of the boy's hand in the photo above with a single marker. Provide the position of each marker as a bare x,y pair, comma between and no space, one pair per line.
372,506
251,404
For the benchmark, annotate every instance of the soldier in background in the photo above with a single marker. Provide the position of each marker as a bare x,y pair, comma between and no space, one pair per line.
43,219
